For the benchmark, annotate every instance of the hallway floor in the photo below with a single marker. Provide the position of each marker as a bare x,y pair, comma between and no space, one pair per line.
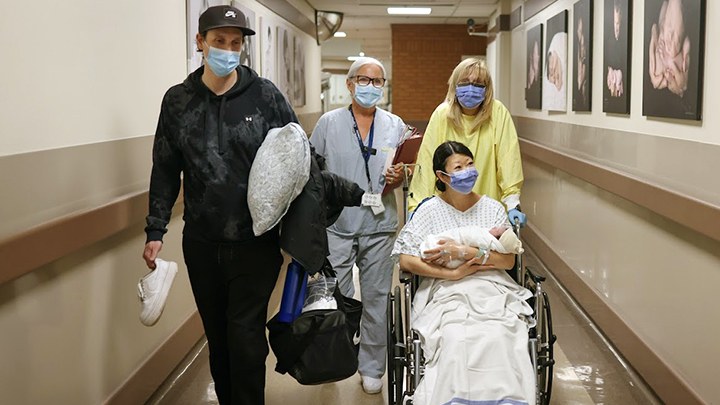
587,370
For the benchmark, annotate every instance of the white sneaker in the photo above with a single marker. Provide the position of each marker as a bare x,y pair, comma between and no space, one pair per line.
153,290
371,385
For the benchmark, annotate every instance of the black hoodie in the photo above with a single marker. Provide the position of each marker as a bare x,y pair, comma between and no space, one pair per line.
213,141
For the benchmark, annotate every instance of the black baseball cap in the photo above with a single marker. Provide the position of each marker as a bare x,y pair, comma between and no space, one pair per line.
221,17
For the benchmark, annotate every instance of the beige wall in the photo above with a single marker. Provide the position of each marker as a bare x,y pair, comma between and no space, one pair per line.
81,91
658,275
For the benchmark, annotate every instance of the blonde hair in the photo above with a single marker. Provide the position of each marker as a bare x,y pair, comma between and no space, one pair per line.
461,72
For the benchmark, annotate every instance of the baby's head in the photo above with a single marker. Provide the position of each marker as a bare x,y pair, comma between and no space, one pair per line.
672,31
617,17
498,231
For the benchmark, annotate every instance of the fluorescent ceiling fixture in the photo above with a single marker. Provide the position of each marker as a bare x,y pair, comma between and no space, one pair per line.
340,34
354,58
409,10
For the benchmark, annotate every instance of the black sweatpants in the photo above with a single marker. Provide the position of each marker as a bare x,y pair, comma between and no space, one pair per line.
232,283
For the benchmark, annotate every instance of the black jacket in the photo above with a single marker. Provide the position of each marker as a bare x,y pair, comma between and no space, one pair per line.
213,141
304,235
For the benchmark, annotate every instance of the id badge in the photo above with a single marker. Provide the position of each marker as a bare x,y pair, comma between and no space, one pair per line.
371,200
377,210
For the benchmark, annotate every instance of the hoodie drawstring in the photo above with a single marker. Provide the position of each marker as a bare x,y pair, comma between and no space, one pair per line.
221,116
221,135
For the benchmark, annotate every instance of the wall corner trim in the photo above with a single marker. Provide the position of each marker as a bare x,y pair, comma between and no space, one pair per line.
667,384
145,379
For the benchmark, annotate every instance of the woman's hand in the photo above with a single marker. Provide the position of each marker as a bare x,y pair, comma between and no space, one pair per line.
471,266
394,174
447,251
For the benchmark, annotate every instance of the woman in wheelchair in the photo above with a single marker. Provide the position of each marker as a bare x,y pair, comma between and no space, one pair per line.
472,320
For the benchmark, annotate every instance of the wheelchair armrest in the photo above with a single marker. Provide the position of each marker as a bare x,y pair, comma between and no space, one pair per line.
534,277
405,276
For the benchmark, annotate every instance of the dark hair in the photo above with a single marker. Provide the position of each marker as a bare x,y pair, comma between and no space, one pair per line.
442,153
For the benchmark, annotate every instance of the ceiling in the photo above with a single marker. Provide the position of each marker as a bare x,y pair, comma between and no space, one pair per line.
367,23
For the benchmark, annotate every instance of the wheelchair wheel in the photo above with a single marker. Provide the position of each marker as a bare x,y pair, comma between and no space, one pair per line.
395,348
546,359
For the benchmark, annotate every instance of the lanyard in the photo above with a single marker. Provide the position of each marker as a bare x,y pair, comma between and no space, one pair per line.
365,151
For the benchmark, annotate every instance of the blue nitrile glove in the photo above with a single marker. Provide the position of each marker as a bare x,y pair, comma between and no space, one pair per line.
515,215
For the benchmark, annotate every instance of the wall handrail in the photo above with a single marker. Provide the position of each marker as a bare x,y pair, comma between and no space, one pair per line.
28,250
700,216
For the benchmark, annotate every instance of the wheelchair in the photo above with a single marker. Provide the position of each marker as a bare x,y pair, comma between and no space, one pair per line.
405,360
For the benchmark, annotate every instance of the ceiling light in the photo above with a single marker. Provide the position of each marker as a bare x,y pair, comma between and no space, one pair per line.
354,58
340,34
362,54
409,10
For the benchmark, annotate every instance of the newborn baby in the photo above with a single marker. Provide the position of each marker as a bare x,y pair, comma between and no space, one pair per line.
499,239
669,54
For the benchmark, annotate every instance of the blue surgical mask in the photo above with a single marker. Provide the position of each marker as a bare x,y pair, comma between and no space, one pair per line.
464,180
367,96
470,96
222,62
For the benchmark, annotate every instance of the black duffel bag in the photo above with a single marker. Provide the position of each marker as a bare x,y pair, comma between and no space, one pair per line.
320,346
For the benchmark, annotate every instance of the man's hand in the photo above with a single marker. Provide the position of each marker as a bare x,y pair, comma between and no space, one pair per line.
151,252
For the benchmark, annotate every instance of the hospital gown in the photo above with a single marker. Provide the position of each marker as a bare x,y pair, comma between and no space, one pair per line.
474,331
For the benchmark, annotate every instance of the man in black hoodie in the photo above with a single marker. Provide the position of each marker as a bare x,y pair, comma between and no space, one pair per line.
210,129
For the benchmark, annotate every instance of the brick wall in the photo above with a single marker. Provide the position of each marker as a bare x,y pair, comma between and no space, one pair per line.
423,57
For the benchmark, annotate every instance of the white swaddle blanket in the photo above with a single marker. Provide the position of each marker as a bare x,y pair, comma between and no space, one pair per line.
474,333
476,237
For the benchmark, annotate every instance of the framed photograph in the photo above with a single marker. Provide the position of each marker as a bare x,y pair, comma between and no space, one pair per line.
554,92
194,8
616,56
299,73
673,58
285,63
267,46
248,55
582,55
533,88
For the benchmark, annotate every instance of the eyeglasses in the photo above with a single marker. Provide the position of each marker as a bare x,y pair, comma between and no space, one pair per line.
364,81
465,83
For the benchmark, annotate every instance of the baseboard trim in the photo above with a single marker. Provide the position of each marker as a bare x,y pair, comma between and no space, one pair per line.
143,382
667,384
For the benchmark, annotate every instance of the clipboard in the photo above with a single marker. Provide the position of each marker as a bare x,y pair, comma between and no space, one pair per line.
406,152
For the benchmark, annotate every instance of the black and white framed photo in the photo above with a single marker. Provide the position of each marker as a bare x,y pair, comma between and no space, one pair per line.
248,55
267,42
554,92
285,62
299,72
617,28
673,58
533,86
582,55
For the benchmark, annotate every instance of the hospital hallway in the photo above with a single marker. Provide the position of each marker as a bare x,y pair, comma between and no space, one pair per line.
587,370
208,137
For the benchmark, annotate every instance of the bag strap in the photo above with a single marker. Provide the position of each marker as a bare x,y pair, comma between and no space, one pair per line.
284,366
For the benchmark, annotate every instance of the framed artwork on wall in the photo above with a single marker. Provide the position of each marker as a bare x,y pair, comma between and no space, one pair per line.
673,58
554,92
533,88
267,46
248,55
285,63
617,28
299,72
582,55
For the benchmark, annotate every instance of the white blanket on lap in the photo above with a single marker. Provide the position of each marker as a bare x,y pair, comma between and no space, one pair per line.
474,333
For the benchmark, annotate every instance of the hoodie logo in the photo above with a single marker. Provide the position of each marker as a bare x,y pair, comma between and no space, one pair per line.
230,14
248,118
